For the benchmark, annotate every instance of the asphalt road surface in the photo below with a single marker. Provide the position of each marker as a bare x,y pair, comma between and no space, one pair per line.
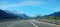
25,23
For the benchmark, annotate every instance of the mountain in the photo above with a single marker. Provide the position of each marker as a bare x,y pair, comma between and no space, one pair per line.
18,14
4,15
24,16
11,13
38,16
57,14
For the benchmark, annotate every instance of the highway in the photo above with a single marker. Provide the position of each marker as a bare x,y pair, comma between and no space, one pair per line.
25,23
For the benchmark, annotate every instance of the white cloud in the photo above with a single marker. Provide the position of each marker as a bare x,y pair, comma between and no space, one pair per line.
17,12
32,15
6,5
56,9
25,3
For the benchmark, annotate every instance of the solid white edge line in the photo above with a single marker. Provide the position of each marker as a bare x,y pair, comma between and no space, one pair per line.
45,23
33,24
7,22
12,24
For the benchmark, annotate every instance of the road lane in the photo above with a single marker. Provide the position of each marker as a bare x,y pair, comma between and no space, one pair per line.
5,24
33,24
25,23
42,24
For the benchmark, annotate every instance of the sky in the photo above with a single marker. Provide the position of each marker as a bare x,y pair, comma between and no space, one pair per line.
31,7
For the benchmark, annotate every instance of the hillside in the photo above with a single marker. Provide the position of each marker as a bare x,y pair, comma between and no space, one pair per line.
7,14
4,15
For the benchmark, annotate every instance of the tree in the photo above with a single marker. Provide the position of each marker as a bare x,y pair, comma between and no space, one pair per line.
51,17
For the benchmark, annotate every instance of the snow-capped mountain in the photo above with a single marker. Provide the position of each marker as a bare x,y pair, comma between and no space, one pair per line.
15,13
4,15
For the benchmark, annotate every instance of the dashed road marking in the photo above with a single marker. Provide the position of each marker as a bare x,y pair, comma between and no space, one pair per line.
12,24
33,24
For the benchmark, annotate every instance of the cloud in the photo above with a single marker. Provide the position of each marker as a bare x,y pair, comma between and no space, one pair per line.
25,3
56,9
43,3
32,15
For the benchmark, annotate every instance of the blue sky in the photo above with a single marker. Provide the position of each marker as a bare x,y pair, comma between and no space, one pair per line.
31,7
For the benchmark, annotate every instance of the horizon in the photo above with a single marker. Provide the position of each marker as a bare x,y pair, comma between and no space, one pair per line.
31,7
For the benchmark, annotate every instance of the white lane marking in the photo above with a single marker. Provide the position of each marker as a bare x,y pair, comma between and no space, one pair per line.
43,22
12,24
4,22
7,22
33,24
